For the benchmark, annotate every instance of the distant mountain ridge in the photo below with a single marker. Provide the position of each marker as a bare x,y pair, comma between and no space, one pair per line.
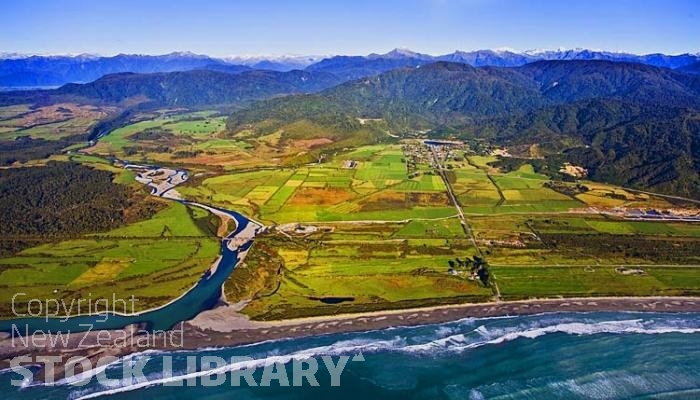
281,63
355,67
17,70
198,87
59,70
627,123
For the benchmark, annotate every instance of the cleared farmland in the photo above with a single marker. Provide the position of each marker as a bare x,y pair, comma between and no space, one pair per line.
377,187
154,260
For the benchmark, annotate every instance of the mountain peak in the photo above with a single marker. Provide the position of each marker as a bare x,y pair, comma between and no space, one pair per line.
187,54
401,52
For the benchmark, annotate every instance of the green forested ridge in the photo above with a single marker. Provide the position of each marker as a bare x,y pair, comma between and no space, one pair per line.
25,148
200,87
563,82
63,200
627,123
645,146
451,93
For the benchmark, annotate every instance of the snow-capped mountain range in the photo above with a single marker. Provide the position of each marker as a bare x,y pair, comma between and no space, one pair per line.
505,57
284,62
29,70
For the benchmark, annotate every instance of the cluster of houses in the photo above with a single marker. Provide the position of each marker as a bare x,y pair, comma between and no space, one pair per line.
476,268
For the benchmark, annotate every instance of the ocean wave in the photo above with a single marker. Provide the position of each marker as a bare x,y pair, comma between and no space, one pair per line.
621,384
453,337
339,348
93,372
609,385
488,336
5,370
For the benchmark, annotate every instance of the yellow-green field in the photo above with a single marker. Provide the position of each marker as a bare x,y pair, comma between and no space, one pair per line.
373,266
540,242
155,260
405,264
383,229
49,122
377,188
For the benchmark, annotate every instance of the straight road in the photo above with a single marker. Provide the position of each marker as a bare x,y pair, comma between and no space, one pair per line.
438,165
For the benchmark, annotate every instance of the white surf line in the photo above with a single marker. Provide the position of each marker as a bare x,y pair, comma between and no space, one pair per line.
459,342
338,348
455,342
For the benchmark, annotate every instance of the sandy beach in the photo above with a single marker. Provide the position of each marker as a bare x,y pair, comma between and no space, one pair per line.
224,326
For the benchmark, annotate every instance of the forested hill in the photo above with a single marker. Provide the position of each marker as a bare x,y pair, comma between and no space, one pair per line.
644,146
692,68
450,94
62,200
199,87
567,81
195,88
17,70
605,105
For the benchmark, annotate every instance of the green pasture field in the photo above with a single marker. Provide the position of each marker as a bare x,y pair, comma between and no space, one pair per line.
119,137
377,189
9,112
598,224
196,128
200,127
51,126
155,260
404,264
481,190
50,131
532,282
387,270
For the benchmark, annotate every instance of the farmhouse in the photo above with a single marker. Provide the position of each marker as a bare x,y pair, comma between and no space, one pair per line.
350,164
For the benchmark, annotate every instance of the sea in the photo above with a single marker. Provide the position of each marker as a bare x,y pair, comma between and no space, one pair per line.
597,355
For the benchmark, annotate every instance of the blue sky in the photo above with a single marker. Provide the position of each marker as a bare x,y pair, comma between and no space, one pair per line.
232,27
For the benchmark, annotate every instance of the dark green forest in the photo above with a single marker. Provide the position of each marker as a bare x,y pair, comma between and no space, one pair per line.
628,124
62,200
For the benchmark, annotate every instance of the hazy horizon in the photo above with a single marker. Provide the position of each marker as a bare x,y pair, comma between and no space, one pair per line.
273,28
301,55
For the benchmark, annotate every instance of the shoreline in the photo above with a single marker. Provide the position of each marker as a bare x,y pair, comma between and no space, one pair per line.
224,327
243,331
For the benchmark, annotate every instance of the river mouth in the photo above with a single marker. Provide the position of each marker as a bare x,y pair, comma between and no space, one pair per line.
333,300
204,295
